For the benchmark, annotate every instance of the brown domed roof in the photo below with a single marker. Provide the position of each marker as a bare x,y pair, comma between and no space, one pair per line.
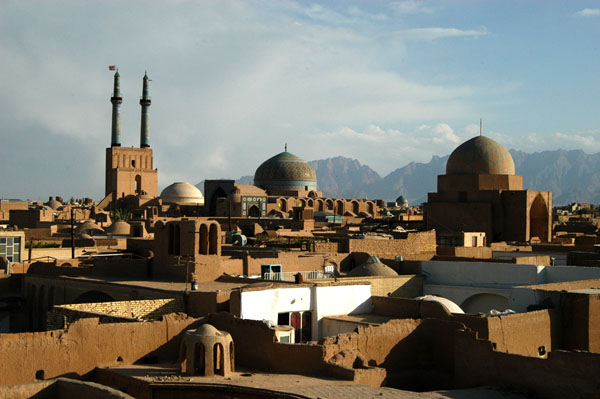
372,267
119,228
480,156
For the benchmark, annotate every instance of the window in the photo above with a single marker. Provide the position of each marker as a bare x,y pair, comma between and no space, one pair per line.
474,241
11,248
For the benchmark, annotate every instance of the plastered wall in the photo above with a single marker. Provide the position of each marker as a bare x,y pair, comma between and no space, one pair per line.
87,344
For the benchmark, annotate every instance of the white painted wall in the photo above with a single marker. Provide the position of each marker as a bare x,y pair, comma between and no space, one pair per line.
458,281
339,300
321,300
266,304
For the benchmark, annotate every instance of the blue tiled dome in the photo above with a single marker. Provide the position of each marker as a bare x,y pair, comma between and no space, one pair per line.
481,156
285,171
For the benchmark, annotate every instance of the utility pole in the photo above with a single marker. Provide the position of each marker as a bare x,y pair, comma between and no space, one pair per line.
72,234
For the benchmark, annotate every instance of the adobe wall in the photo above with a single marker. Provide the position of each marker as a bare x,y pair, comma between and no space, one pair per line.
561,375
465,252
520,333
43,292
414,243
87,344
200,304
407,286
292,261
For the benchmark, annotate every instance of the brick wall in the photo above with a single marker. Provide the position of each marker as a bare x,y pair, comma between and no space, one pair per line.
114,312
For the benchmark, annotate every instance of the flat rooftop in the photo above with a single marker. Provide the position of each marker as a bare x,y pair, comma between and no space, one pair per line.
301,385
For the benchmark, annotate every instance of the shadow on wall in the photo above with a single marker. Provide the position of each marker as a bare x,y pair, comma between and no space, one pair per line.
483,303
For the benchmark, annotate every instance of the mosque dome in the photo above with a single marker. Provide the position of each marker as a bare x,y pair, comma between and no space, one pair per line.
119,228
401,201
480,156
285,171
372,267
182,193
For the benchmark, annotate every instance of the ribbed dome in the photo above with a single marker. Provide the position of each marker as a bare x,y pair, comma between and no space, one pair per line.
285,171
182,193
480,156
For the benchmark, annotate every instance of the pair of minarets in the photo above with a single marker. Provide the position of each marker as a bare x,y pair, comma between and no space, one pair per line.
145,102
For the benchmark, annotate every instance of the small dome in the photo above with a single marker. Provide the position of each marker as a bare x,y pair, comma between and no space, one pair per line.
182,193
447,303
480,156
206,330
119,228
54,204
372,267
285,171
89,228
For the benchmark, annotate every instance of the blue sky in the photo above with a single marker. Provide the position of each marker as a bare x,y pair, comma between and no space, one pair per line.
385,82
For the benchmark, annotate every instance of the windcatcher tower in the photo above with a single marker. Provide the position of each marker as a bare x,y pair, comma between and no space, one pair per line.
129,170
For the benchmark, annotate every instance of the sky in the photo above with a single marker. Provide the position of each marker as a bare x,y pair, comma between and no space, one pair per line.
384,82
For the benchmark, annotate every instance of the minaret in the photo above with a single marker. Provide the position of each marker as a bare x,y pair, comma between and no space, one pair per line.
116,100
145,103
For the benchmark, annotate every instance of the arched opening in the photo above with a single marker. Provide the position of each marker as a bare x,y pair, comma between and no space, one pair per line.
138,183
329,205
538,219
203,250
219,193
320,206
371,207
218,359
213,239
282,204
310,203
312,194
93,297
483,303
199,360
254,211
339,207
355,207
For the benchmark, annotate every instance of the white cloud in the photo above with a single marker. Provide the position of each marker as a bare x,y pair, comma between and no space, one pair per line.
588,12
429,34
410,7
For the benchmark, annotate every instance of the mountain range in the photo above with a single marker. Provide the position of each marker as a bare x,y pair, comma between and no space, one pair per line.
572,176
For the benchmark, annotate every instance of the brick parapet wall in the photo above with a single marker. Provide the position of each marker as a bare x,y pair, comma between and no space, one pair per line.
114,312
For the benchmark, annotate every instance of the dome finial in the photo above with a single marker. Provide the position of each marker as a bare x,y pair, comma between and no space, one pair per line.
285,147
480,126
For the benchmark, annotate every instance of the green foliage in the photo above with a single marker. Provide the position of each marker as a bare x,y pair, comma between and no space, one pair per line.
120,214
42,244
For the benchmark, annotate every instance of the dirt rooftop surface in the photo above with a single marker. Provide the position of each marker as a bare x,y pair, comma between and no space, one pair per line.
309,387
